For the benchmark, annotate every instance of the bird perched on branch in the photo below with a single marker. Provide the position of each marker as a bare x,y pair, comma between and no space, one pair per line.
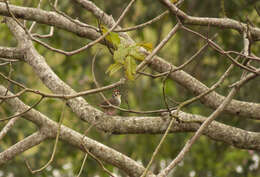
115,100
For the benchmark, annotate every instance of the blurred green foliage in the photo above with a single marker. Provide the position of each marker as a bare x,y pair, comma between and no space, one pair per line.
206,158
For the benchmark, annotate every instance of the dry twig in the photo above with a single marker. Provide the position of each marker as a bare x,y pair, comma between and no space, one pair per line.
54,148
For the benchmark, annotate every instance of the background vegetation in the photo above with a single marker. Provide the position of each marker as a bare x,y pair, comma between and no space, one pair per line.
206,158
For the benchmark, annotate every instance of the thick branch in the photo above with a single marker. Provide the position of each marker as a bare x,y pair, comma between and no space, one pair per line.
205,21
12,53
87,112
213,100
49,18
154,125
21,146
49,129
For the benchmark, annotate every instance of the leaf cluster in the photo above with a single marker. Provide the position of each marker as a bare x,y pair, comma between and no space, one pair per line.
125,56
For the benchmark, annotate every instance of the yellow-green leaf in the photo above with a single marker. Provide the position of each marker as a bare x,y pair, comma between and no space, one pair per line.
111,37
174,1
147,45
120,54
113,68
134,52
130,67
115,39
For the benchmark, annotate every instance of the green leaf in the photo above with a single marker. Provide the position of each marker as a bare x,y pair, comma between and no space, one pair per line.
130,67
120,54
115,39
147,45
134,52
111,37
114,68
174,1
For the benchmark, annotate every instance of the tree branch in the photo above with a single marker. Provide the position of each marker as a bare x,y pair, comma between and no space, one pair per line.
214,22
213,100
22,146
11,53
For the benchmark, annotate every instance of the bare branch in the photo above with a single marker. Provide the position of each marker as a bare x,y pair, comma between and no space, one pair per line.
117,107
206,123
25,111
214,22
159,17
155,19
22,146
77,22
34,23
198,133
177,117
8,53
54,148
82,165
8,127
181,66
158,47
220,50
61,96
153,125
98,161
22,113
77,50
74,138
212,100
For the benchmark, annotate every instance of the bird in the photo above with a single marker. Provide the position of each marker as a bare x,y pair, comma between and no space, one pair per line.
115,100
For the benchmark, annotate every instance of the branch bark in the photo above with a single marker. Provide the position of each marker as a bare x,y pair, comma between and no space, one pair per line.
154,125
21,146
213,100
214,22
48,129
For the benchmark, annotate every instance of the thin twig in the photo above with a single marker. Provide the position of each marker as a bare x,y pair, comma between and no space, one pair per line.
98,161
164,88
34,22
92,155
117,107
7,127
179,107
158,147
158,47
50,34
207,122
244,80
9,60
8,85
96,82
198,133
181,66
22,113
243,55
82,165
220,50
62,96
257,11
77,50
4,63
157,18
76,21
55,145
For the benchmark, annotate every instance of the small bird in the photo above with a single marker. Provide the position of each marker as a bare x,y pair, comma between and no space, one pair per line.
115,100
